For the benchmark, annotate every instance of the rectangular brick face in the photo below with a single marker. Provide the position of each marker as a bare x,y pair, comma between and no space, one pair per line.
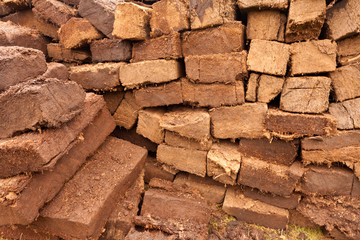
268,57
222,68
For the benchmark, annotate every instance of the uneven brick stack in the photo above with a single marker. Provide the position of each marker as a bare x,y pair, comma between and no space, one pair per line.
261,118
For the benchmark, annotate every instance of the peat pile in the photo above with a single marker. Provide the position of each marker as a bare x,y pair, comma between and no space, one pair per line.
253,105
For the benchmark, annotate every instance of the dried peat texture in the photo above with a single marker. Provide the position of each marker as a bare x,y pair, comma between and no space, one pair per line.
269,57
289,126
163,209
288,202
164,47
211,190
316,56
160,95
244,121
56,70
35,151
39,103
127,112
212,95
14,35
208,13
149,124
100,13
273,151
18,64
268,87
183,159
223,162
187,122
253,211
27,18
131,21
346,82
59,53
154,169
340,213
348,50
24,232
110,50
53,11
169,16
81,208
216,68
263,4
305,20
266,25
134,75
347,113
99,76
120,220
305,94
343,20
176,140
342,148
226,38
334,181
30,193
267,176
77,32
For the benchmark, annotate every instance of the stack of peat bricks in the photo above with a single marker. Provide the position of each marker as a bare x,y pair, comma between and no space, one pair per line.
252,105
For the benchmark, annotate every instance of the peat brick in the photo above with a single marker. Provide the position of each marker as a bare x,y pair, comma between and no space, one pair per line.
226,38
53,11
127,112
221,68
266,176
269,87
211,190
347,113
56,70
131,21
334,181
113,100
153,169
292,125
77,32
274,151
343,19
244,121
212,95
110,50
190,123
268,57
253,211
305,20
149,124
57,52
155,71
204,14
314,56
223,162
12,34
305,94
342,148
266,25
188,160
18,64
348,50
39,103
346,82
169,16
99,76
164,47
161,95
